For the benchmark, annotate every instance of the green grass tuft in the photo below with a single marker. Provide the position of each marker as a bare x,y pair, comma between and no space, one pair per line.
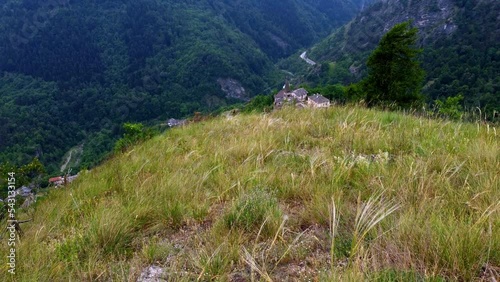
253,209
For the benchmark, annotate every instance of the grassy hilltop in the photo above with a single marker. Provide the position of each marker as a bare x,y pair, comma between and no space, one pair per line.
345,194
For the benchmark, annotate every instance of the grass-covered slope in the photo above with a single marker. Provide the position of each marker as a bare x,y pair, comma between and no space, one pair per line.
259,196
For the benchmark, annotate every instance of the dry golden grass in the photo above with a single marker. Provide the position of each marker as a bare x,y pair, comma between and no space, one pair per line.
340,194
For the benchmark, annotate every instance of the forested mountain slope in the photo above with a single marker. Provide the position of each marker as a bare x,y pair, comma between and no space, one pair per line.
460,38
76,70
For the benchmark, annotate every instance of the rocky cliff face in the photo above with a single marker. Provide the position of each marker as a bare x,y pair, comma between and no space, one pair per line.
434,18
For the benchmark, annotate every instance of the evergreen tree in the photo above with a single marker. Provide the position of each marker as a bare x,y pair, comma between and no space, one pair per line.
395,76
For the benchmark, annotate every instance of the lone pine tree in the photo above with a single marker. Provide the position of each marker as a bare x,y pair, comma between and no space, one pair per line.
394,73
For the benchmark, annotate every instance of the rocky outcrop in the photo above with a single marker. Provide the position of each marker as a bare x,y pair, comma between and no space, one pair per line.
233,88
434,19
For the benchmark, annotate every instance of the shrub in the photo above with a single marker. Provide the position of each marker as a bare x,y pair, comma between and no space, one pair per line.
451,107
134,133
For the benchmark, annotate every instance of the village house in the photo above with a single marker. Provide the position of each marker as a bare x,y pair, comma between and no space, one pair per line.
318,101
299,95
285,96
279,99
56,181
299,98
60,180
176,122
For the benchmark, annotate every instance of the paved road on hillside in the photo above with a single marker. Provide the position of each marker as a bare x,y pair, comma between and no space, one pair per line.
304,57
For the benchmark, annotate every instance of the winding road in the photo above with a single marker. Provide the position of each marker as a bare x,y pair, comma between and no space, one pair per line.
304,57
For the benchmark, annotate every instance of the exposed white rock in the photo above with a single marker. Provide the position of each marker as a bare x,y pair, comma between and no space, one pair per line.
153,274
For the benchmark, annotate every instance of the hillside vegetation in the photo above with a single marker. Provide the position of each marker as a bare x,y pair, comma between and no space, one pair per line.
344,193
460,41
75,71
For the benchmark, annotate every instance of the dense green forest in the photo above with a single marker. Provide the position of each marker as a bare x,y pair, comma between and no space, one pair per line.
460,41
72,72
468,62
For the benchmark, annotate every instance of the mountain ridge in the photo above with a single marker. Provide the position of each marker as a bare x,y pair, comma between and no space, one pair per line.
137,61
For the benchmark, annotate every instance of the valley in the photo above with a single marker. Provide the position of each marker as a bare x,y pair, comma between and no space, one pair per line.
181,58
222,140
83,68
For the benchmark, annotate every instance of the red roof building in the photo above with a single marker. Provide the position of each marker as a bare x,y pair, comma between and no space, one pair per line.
56,180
